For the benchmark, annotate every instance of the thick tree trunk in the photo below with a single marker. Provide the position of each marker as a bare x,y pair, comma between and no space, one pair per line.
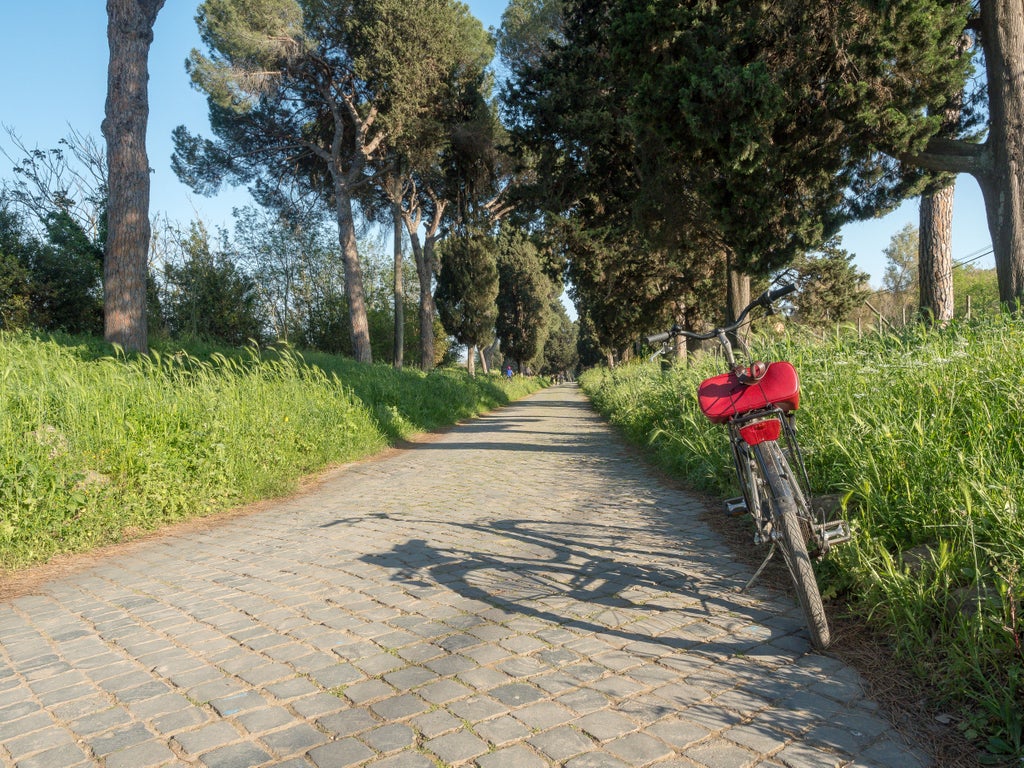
125,264
399,289
935,256
359,327
471,360
1003,185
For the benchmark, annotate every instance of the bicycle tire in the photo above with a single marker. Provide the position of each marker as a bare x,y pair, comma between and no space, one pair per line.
779,482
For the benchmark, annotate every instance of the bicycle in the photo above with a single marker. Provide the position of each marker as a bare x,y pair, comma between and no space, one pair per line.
756,402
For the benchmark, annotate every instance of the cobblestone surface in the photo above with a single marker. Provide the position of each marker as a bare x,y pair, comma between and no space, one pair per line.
516,592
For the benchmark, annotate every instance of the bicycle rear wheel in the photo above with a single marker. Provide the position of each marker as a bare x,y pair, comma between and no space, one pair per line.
784,491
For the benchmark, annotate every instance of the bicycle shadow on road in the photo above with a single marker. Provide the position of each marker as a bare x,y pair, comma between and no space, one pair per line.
559,577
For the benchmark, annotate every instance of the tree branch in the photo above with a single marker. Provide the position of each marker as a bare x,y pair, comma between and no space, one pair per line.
952,156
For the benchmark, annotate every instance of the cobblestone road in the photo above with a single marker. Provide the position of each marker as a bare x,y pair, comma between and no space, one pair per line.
518,592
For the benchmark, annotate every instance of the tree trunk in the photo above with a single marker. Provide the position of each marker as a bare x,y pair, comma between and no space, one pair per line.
738,296
680,351
935,256
359,327
125,264
1003,185
399,289
471,360
426,268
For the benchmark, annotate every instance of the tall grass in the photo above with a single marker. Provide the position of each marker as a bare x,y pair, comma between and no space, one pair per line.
923,435
95,446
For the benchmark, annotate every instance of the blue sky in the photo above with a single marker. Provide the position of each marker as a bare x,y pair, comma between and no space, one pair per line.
54,61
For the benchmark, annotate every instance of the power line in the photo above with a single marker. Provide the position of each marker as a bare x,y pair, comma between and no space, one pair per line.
972,257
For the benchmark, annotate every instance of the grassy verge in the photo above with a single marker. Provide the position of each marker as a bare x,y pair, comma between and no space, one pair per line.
94,448
923,435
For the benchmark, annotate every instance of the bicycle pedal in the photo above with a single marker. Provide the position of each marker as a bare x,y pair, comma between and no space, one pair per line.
835,532
735,506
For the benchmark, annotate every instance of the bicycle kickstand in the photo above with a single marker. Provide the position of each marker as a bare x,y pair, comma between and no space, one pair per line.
749,584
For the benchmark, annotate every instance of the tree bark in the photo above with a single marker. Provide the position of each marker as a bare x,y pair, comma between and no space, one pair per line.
125,264
737,297
426,269
360,327
399,288
935,256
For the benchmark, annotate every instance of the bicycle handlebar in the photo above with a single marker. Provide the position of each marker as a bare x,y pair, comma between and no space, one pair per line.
766,299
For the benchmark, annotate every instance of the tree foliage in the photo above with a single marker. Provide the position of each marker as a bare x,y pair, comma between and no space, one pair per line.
208,296
829,285
524,298
467,289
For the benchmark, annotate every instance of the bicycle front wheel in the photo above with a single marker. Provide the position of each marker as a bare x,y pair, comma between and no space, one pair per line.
783,489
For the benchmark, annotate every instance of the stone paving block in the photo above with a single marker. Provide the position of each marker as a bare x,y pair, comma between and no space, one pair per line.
517,694
483,678
235,756
348,722
37,741
119,738
798,755
340,754
410,677
605,725
238,702
66,755
544,714
336,675
476,708
758,737
596,760
388,738
293,740
583,700
502,730
180,720
720,753
370,690
518,756
435,723
638,749
207,738
147,755
265,719
399,707
893,753
456,747
561,743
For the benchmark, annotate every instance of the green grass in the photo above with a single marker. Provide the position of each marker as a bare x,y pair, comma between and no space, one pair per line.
96,447
923,435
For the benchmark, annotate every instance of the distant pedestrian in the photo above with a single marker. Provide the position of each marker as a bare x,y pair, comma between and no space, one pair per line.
508,371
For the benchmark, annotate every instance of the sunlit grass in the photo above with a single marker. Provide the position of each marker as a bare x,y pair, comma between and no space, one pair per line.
96,447
923,434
